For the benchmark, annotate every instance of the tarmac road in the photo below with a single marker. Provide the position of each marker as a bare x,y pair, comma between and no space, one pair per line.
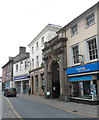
32,109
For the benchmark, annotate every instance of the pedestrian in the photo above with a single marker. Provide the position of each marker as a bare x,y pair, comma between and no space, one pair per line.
29,91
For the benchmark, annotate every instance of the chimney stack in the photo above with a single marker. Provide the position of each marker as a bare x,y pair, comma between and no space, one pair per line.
22,50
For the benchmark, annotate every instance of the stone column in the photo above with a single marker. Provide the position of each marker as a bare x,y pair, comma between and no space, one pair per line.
21,87
39,84
45,76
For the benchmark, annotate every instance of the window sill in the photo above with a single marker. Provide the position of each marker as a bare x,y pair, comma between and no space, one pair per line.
74,34
87,26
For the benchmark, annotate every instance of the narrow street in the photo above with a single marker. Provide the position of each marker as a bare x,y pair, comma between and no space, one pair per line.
33,109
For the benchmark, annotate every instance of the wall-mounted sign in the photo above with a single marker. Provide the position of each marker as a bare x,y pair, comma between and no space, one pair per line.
82,78
20,77
83,68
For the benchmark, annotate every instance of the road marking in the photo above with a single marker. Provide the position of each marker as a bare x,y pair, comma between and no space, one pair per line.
13,109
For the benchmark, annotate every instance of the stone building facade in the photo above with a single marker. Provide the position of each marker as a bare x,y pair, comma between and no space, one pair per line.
7,74
54,56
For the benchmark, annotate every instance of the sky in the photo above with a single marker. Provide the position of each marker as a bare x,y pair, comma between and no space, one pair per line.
22,20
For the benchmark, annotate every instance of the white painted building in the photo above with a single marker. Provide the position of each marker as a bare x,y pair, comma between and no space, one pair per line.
20,71
36,46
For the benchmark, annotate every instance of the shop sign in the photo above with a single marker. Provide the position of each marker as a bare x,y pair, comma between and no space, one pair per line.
84,68
80,78
20,77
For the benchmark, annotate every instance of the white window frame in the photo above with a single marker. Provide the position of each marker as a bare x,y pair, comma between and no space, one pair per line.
87,54
73,29
32,63
86,19
37,61
42,41
71,50
25,65
37,46
16,67
32,49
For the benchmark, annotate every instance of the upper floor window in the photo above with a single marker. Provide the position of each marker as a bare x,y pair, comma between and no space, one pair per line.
37,61
32,63
37,46
25,65
75,53
32,49
90,20
42,41
74,29
17,68
92,49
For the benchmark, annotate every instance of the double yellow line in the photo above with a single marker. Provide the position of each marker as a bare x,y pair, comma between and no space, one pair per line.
13,110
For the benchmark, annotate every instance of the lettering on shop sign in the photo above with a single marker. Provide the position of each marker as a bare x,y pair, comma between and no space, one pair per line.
82,69
20,77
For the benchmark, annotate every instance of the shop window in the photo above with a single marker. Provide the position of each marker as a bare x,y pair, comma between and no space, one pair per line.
84,89
42,78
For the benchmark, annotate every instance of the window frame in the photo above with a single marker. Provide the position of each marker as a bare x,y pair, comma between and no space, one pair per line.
88,57
16,67
37,46
86,20
73,29
72,56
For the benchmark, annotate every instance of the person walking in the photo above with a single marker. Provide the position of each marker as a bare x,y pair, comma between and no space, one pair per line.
29,91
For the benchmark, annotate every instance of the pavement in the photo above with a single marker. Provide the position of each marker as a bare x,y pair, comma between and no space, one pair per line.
77,108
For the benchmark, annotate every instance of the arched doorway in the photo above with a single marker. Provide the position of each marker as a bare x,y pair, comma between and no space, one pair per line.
55,80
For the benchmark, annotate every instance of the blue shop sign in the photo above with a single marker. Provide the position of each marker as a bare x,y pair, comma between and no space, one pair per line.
80,78
84,68
20,77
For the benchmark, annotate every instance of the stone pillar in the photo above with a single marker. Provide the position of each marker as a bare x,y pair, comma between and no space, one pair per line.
45,76
21,87
30,84
39,84
64,88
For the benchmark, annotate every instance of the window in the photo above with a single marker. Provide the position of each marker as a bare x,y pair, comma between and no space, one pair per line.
42,41
74,29
90,20
20,66
17,68
37,46
84,89
75,53
92,49
37,61
25,65
32,63
32,49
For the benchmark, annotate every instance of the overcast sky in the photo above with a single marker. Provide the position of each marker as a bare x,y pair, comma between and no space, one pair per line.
22,20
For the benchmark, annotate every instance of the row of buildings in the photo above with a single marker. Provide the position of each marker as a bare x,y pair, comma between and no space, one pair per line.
63,61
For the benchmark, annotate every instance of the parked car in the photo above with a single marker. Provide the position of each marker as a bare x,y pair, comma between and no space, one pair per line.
10,92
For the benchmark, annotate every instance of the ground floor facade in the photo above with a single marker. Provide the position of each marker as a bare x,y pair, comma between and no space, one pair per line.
84,82
37,81
21,83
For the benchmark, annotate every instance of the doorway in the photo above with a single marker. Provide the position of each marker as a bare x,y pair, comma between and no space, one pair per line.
55,80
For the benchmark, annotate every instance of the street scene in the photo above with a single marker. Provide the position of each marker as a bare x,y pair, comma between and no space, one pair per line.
53,71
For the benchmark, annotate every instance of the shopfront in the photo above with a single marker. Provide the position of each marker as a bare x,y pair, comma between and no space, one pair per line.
22,84
83,82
